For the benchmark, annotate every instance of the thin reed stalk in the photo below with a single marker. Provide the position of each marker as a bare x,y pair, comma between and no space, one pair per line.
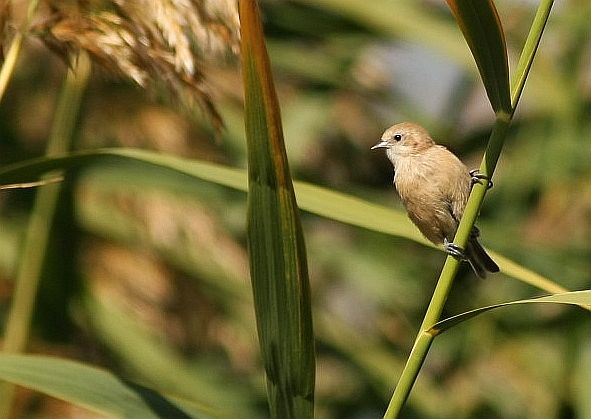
425,336
38,231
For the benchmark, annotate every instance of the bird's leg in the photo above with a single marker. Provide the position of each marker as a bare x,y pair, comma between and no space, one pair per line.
478,177
454,250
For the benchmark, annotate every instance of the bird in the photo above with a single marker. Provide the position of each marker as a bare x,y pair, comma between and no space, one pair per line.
434,186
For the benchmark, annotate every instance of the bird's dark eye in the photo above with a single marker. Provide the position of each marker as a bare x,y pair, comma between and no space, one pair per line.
398,137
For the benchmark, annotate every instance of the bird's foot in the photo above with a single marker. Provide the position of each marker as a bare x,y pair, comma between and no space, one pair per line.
478,177
454,250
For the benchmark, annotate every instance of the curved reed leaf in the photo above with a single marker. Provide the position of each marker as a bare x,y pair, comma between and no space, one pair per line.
315,199
93,388
580,298
482,29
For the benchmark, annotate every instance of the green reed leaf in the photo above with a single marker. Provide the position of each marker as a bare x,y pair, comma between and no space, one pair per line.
315,199
482,29
278,266
579,298
93,388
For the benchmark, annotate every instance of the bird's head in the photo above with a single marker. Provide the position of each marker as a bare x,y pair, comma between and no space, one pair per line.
404,139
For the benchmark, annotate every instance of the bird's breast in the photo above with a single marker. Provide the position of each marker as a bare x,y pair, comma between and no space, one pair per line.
424,189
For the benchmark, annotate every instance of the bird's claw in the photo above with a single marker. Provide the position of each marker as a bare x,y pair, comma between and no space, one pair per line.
454,250
478,177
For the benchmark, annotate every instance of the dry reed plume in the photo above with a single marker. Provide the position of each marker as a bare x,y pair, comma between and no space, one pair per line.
152,42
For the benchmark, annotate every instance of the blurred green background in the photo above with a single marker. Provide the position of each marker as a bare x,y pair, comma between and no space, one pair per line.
148,276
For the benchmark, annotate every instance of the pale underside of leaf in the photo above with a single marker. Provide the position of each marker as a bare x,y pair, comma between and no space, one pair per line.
578,298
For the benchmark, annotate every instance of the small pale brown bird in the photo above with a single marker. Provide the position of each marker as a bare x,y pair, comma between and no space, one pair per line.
434,186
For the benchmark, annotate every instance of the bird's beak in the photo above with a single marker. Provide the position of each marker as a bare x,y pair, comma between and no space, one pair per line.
381,144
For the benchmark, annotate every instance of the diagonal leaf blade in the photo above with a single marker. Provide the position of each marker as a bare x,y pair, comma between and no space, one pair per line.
278,265
93,388
580,298
482,29
317,200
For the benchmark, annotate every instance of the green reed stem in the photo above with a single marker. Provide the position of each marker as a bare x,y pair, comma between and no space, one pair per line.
450,268
38,231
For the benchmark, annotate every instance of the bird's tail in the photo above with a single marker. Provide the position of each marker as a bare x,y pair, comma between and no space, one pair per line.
479,260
